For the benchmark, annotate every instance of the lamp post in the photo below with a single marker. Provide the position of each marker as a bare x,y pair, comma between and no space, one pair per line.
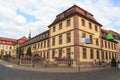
18,56
33,60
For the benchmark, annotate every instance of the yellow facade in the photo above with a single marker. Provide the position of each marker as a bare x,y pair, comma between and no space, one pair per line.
75,25
6,49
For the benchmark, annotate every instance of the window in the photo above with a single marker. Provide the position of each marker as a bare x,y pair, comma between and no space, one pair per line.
10,47
96,29
112,54
47,55
60,54
106,56
68,53
60,26
53,41
115,46
47,43
109,45
41,45
60,39
109,55
102,55
105,44
115,55
112,45
83,22
38,45
83,35
91,54
86,14
34,46
97,42
91,39
44,44
68,23
102,43
68,38
53,28
84,53
98,55
53,54
90,26
44,55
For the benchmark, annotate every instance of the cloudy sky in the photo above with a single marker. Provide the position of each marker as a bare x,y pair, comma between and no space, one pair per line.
18,17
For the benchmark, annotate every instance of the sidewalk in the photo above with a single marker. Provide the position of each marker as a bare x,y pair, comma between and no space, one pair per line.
47,69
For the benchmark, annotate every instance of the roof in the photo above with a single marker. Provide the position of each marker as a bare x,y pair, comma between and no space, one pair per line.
22,40
74,10
42,36
105,32
7,41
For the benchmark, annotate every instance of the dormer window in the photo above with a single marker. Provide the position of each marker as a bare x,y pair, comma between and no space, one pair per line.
62,16
53,28
86,14
3,42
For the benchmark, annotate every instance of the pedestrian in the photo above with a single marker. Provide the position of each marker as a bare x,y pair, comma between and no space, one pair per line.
93,64
118,65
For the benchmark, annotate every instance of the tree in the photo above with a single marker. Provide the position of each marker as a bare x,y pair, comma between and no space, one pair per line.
19,52
113,62
29,53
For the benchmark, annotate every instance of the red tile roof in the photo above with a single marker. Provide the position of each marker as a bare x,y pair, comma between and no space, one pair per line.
8,41
22,40
74,10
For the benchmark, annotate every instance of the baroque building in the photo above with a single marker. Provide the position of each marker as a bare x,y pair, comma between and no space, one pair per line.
63,39
9,46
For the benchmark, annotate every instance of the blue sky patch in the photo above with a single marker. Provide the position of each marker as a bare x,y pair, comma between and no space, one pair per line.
29,18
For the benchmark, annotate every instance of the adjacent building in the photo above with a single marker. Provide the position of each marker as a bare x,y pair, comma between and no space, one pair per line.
8,45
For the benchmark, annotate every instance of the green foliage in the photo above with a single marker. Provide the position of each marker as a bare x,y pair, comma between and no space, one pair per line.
19,52
36,55
113,62
7,56
29,53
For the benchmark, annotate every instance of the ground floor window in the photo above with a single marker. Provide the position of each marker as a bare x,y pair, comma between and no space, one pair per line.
98,55
47,55
84,53
106,56
53,54
91,54
60,53
68,53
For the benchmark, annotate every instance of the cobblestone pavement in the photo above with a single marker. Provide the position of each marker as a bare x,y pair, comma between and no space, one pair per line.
10,71
48,69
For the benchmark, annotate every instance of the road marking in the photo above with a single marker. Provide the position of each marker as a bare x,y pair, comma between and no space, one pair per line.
9,65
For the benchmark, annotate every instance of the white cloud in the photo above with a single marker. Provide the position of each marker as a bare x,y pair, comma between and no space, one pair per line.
45,11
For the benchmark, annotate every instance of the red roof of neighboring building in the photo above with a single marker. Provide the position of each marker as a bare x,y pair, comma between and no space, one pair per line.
22,40
7,41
